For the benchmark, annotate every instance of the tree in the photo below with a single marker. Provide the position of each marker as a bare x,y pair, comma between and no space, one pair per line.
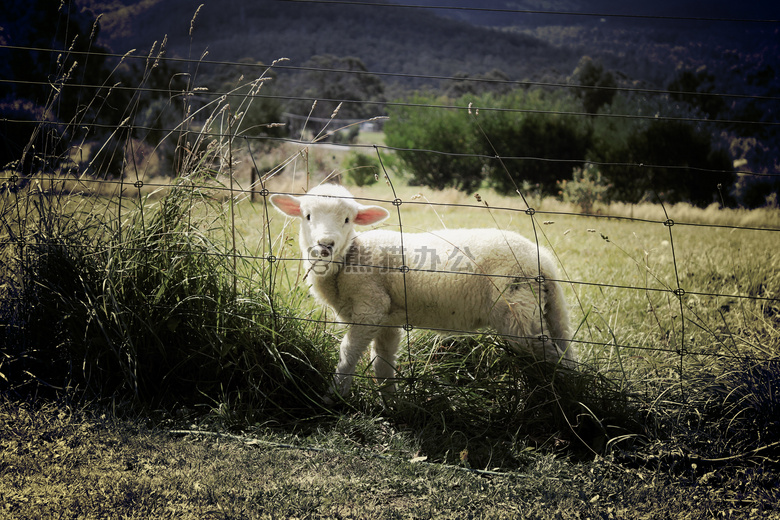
555,145
41,119
540,147
329,77
673,160
695,89
596,85
539,129
494,81
154,109
440,141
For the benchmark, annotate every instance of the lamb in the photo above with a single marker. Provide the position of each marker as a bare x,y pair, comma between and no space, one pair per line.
379,281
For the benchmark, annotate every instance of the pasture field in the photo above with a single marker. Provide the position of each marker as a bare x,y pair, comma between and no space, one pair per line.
621,272
160,355
673,413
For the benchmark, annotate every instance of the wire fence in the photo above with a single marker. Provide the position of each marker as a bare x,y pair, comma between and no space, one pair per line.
694,322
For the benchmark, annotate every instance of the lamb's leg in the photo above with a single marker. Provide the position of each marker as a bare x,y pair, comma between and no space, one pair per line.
353,345
384,354
520,320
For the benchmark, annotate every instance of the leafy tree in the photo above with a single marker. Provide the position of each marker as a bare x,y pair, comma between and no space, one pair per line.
695,89
596,85
672,159
538,147
361,169
354,84
29,96
38,24
553,142
440,141
261,112
154,110
494,81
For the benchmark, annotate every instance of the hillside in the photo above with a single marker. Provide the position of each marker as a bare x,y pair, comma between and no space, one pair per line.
437,42
388,50
533,13
386,39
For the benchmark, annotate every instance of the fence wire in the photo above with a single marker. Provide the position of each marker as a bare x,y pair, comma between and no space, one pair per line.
135,181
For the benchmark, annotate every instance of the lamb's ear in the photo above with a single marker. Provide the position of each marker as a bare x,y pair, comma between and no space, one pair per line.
368,215
287,204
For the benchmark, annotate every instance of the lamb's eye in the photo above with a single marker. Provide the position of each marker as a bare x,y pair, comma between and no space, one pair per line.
308,217
346,220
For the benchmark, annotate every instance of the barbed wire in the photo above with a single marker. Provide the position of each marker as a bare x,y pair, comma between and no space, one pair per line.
245,191
271,258
13,178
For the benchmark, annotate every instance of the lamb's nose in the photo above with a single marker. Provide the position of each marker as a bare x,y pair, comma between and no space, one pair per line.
323,248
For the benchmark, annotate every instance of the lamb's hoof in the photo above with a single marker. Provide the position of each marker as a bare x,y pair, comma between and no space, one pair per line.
333,399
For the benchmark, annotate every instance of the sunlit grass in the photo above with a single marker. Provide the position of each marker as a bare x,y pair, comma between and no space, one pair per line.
164,291
642,345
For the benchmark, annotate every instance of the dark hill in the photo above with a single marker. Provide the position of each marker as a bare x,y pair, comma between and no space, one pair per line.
386,38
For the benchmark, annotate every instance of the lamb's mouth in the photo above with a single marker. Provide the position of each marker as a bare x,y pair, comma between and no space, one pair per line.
319,266
320,258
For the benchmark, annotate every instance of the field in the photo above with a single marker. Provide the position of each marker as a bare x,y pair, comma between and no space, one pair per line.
673,412
160,355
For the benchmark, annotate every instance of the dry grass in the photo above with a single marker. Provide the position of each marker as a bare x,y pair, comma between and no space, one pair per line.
58,462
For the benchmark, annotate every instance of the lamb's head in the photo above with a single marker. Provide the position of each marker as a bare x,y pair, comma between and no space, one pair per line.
328,216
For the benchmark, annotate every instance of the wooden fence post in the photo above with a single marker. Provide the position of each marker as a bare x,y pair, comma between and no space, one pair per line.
252,181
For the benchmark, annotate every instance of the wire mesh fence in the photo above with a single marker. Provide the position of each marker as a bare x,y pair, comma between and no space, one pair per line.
661,293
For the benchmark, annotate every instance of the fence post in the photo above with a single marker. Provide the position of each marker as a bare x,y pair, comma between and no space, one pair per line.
252,181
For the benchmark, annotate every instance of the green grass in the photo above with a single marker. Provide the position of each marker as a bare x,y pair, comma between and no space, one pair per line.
164,309
169,300
652,362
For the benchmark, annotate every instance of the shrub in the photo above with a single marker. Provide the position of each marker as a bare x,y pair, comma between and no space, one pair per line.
151,310
440,141
553,144
457,147
674,160
360,169
585,189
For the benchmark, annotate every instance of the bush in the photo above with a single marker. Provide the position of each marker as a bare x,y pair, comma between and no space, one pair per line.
756,192
440,141
671,159
28,146
554,144
457,147
361,169
148,309
345,135
586,188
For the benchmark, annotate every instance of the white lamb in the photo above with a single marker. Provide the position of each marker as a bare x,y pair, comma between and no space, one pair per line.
459,279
